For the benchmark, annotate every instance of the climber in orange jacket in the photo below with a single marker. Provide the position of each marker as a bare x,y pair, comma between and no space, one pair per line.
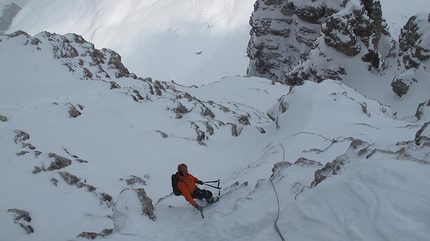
187,185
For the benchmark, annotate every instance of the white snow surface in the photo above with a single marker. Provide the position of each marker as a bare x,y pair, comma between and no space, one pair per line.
379,196
181,40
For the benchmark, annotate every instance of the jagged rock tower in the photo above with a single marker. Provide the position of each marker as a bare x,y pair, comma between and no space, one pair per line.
284,33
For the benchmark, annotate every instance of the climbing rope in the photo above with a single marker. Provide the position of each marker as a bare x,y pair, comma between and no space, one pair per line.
277,198
334,140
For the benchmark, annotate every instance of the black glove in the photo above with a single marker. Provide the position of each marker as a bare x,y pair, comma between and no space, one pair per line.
200,208
200,182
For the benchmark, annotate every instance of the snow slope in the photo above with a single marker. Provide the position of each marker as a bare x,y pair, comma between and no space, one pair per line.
188,41
377,190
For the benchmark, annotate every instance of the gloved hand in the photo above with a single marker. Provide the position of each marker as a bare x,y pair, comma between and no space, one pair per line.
200,182
200,208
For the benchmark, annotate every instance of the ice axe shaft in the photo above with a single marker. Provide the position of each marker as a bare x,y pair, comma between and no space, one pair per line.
211,186
212,181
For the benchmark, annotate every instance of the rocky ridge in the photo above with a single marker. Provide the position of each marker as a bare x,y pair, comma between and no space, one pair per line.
82,59
328,39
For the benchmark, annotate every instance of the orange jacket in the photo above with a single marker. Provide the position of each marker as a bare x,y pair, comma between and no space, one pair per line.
187,187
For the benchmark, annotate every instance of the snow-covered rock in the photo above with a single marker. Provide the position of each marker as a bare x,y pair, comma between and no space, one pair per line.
423,111
132,132
341,40
414,54
82,59
351,28
129,210
325,100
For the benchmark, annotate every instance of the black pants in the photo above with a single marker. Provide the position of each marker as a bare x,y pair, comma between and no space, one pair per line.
202,193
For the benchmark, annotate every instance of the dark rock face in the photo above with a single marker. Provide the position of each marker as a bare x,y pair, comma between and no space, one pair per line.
78,55
423,109
22,218
284,33
422,137
414,48
357,148
414,52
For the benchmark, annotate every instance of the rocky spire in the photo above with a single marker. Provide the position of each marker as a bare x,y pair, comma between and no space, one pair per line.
284,33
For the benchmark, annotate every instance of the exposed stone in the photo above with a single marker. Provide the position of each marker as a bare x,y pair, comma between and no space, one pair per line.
30,146
20,214
423,135
3,118
54,181
147,207
400,88
21,153
261,130
115,63
25,216
414,53
37,170
134,179
244,120
106,199
114,85
334,167
234,130
164,135
92,235
28,228
70,178
73,112
60,162
414,48
280,165
287,58
75,181
423,107
303,161
21,136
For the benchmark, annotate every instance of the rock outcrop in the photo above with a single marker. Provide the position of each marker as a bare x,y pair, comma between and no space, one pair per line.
82,59
414,53
423,111
294,41
132,209
284,33
22,218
